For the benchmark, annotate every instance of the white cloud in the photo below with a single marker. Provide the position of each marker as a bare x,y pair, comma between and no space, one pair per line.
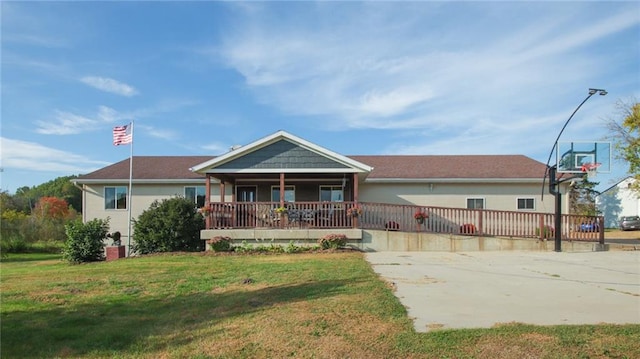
216,148
109,115
36,157
378,72
110,85
66,124
155,132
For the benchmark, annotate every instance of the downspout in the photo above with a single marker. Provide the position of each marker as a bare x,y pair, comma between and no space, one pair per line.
81,188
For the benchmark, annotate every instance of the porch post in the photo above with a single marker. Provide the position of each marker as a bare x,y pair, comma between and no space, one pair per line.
207,200
281,189
355,197
222,190
355,187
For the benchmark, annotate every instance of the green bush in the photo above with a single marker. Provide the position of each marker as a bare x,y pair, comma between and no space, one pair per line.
13,244
167,226
220,244
333,241
85,241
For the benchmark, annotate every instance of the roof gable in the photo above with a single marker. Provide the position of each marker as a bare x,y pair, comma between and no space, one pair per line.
623,183
281,152
279,155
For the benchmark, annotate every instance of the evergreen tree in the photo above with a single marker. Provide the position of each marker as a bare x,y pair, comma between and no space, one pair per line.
582,197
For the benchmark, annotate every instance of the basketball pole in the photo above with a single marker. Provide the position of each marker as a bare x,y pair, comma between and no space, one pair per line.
554,182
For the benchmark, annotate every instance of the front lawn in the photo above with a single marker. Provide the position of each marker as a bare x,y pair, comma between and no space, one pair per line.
323,305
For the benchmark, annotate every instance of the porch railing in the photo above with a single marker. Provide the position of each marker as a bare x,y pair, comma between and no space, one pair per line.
401,218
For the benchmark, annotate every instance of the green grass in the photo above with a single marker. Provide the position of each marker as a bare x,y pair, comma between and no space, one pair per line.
314,305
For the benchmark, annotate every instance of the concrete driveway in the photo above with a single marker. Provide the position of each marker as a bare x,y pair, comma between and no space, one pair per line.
445,290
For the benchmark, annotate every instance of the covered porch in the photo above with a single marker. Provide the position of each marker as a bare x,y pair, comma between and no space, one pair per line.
283,201
281,181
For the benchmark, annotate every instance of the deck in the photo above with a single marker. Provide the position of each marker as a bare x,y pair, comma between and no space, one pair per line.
312,219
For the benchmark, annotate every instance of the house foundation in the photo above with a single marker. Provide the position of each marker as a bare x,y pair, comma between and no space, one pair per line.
396,241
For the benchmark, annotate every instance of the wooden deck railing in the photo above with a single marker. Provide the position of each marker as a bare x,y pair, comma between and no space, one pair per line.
401,218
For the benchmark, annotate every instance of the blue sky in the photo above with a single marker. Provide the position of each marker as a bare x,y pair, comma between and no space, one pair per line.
356,78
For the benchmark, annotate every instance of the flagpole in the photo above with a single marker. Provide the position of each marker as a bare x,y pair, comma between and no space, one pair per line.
129,202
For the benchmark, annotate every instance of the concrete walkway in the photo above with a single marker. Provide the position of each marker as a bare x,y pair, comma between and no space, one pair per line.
444,290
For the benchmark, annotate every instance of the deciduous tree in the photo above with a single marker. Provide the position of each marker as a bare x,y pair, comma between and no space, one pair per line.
624,131
51,208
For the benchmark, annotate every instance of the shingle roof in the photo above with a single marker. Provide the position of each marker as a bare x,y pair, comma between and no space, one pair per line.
150,168
384,167
453,166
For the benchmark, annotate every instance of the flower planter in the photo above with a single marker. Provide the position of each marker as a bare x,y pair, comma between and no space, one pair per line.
420,220
115,252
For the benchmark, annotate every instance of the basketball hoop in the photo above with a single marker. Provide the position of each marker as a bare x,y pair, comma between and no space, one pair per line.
591,169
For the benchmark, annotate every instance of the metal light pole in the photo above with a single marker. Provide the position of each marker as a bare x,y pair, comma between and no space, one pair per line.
554,182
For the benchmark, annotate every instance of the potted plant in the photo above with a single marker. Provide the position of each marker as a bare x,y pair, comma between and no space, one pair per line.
420,216
281,210
354,211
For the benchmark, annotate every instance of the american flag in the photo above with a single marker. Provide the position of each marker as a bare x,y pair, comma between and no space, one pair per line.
121,135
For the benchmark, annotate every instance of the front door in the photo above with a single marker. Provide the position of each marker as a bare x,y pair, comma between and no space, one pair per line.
246,193
246,212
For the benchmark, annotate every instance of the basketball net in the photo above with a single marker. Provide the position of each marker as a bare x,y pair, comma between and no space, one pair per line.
591,169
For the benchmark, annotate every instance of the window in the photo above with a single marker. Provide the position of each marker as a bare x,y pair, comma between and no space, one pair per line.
331,194
289,194
526,203
195,194
475,203
115,197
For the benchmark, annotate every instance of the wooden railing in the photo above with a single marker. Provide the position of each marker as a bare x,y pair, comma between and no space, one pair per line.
401,218
265,215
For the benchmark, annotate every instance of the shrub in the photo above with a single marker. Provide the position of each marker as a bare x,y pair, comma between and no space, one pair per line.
85,241
468,228
13,244
169,225
333,241
220,244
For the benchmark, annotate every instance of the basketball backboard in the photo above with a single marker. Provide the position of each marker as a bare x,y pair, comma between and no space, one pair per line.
580,156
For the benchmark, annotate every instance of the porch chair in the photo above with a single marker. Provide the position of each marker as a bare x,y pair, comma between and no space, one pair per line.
307,215
293,215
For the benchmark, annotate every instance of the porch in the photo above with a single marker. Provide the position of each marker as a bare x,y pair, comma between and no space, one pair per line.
312,220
